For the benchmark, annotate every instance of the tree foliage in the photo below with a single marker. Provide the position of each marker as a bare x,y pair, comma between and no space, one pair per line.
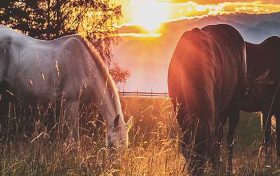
120,75
96,20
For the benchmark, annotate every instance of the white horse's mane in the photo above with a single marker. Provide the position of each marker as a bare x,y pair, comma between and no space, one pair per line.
98,60
104,69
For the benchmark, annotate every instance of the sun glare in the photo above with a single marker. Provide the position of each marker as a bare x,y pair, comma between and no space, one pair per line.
149,14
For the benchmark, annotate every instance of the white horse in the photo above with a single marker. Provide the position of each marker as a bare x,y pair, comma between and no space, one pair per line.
67,68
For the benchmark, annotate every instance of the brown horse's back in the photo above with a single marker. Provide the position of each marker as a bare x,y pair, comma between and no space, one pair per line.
207,67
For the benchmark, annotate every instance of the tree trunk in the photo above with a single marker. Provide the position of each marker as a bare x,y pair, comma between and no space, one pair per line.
58,17
48,20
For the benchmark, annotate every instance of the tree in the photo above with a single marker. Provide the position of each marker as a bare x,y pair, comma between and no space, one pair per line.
21,15
96,20
119,74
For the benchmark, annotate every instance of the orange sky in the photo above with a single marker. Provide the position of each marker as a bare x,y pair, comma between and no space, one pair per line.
151,13
219,1
146,52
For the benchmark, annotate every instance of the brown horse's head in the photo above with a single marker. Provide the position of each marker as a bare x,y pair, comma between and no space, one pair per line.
263,60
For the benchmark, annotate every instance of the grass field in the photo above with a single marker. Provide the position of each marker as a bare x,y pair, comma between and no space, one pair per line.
153,148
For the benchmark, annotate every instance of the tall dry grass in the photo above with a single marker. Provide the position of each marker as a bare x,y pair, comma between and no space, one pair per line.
153,149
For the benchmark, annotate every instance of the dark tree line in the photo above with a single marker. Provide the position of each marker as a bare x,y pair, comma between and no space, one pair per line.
50,19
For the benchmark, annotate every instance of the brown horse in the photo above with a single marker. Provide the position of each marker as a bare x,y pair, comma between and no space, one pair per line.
264,77
206,77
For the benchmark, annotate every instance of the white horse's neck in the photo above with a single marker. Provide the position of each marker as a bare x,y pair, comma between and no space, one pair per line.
109,104
106,93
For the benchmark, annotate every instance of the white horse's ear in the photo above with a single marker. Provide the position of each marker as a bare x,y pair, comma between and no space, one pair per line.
129,123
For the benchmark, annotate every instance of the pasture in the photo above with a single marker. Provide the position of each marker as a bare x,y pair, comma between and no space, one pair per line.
153,148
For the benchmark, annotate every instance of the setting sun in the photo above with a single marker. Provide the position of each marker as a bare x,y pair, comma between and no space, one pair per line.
149,14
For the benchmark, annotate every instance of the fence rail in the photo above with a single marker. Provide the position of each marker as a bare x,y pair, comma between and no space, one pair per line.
143,94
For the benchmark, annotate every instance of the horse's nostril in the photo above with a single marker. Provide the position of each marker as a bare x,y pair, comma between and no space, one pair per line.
111,145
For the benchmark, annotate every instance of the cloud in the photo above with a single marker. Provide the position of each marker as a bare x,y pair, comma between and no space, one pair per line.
179,9
192,9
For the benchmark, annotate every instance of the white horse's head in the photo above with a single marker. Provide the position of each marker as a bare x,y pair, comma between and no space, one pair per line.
117,136
107,100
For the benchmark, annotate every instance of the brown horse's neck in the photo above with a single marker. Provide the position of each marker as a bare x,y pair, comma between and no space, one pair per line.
256,61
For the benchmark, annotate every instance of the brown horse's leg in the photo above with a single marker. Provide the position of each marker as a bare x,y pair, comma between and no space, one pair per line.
216,159
185,139
277,116
267,135
197,165
193,144
197,157
233,122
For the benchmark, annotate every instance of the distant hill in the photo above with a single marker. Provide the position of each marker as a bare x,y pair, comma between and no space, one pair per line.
270,26
261,31
148,58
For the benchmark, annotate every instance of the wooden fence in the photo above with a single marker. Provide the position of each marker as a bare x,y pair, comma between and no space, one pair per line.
143,94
